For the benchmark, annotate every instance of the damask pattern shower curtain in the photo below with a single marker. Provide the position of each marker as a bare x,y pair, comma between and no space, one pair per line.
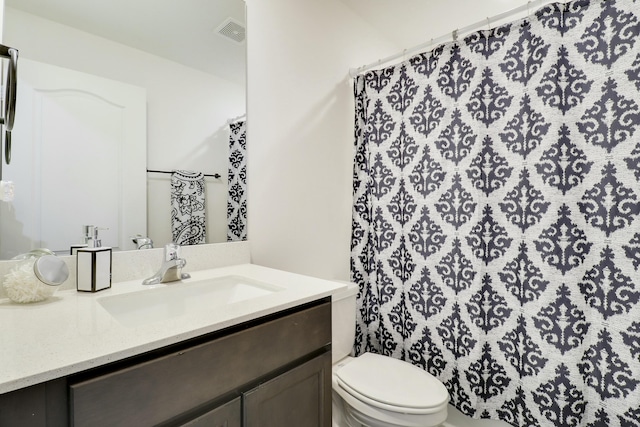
496,219
237,200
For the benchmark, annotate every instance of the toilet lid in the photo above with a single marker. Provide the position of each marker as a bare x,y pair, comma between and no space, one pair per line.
384,382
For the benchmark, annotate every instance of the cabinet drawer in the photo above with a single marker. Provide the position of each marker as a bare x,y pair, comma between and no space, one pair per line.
163,388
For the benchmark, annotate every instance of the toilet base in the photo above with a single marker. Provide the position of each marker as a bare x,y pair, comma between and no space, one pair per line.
342,416
338,415
346,415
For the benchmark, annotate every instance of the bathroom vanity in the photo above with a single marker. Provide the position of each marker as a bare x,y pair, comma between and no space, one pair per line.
262,361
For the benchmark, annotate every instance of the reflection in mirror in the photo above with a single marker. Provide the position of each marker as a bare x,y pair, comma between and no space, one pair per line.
81,137
193,80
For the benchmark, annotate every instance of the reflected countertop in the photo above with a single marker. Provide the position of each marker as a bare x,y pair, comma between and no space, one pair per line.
72,331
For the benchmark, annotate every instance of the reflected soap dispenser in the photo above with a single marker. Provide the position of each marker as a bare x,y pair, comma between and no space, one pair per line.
93,263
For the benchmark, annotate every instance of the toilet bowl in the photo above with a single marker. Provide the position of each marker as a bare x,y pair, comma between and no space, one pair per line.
374,390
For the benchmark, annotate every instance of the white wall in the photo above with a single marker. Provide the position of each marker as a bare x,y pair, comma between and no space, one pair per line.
187,110
1,18
411,23
300,131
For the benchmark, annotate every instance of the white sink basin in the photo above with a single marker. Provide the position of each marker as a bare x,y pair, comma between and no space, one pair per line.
180,298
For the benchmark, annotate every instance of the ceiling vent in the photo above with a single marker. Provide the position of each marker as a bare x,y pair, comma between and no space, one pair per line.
233,30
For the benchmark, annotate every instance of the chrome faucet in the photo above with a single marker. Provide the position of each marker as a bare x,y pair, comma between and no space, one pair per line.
142,242
171,267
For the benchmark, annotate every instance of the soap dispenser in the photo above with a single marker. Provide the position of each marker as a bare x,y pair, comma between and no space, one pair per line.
93,263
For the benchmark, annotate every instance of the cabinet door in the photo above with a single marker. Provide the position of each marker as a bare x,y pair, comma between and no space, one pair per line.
25,407
39,405
300,397
227,415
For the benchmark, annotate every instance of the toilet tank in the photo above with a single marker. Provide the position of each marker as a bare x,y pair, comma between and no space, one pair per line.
343,322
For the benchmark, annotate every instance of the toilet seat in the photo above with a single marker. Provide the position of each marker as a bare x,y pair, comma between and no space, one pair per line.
392,385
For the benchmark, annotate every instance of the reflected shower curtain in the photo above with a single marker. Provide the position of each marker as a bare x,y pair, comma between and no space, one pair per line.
237,200
496,218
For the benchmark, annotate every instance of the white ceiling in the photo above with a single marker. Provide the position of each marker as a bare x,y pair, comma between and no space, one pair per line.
183,31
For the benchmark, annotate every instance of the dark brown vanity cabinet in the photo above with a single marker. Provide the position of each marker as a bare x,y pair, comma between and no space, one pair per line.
270,372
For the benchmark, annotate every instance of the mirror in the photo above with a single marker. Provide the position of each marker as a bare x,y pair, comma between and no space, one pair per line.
187,57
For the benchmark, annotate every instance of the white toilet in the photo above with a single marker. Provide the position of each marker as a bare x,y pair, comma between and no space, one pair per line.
378,391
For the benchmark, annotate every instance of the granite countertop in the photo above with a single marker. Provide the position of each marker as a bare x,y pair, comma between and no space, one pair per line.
72,331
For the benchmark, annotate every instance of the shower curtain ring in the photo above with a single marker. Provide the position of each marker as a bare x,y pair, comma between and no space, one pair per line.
454,35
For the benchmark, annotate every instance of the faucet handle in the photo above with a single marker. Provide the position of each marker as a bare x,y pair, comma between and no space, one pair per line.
171,252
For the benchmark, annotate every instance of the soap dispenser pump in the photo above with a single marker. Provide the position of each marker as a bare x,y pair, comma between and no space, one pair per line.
93,262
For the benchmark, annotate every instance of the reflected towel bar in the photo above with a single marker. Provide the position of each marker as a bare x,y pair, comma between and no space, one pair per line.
215,175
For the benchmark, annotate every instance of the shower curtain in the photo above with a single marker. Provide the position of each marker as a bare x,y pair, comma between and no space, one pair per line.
237,200
496,217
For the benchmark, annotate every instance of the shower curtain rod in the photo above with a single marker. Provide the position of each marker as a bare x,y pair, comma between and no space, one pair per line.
454,35
236,119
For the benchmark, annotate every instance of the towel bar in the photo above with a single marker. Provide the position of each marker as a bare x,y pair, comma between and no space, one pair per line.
215,175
